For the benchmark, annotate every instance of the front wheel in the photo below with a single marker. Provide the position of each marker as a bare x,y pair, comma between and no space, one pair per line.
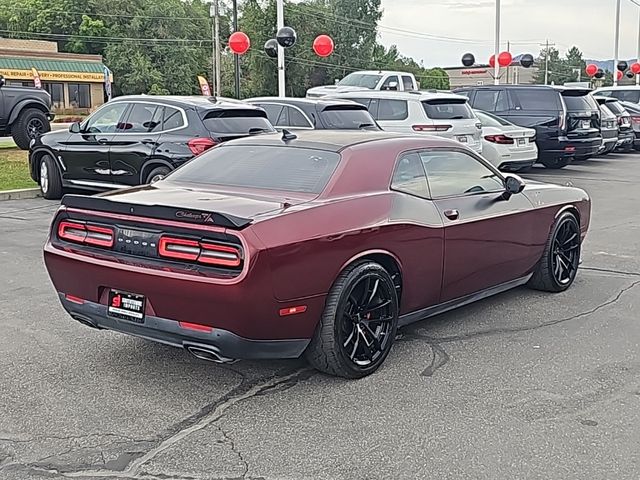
31,123
558,266
555,163
358,324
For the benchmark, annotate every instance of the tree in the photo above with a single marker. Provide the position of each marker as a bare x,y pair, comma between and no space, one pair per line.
561,70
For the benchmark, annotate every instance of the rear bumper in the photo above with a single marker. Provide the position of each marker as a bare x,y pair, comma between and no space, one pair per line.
625,139
570,147
227,344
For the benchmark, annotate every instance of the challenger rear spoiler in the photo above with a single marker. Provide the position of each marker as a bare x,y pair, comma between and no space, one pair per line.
162,212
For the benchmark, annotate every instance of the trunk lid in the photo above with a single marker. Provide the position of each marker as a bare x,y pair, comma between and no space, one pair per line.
583,113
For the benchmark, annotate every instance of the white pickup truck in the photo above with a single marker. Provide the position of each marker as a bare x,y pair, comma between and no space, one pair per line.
368,80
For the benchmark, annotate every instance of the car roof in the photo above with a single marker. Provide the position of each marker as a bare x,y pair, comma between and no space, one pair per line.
619,87
382,72
197,101
320,102
390,94
329,140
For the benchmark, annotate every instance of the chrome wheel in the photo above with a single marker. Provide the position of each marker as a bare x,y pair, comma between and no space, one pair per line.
44,177
156,178
367,321
566,252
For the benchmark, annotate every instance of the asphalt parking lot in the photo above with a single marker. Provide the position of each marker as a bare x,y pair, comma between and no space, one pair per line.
524,385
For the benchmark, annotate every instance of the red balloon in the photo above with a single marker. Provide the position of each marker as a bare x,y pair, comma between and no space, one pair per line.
635,68
239,43
505,59
619,75
323,45
492,61
591,69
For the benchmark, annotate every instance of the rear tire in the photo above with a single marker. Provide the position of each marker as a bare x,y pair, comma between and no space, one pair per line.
555,163
358,325
49,178
558,266
157,174
31,123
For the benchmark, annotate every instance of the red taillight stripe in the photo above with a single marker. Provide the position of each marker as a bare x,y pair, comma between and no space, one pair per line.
200,251
100,236
86,234
196,327
74,232
219,255
179,248
74,299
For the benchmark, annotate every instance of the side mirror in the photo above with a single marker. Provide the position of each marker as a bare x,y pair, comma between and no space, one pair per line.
393,85
75,127
513,185
2,81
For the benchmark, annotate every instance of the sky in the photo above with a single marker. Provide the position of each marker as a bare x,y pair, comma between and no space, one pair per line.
439,32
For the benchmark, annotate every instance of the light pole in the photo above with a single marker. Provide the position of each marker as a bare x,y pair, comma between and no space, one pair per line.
616,45
280,24
638,58
496,51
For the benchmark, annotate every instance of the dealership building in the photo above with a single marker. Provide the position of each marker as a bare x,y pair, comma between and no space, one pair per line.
74,81
483,75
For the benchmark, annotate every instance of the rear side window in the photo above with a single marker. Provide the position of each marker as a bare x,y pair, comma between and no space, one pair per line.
172,119
273,111
345,118
392,109
236,121
298,119
409,176
536,99
286,169
407,82
579,102
491,100
140,119
447,109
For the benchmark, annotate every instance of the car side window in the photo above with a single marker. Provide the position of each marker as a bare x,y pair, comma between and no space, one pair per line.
407,82
273,111
172,119
283,118
140,119
409,176
387,83
297,119
491,101
106,119
392,110
453,173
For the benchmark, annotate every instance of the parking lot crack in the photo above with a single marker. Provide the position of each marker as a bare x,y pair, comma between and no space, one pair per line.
235,450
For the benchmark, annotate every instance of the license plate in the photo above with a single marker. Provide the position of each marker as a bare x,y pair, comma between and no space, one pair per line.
586,124
462,138
522,141
126,306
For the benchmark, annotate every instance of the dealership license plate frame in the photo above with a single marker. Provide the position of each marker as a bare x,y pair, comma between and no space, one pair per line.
585,124
463,139
522,142
130,306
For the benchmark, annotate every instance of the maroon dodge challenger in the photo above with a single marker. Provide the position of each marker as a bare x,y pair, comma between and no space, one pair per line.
320,244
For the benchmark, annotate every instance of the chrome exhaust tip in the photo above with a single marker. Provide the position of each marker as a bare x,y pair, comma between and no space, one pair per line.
208,354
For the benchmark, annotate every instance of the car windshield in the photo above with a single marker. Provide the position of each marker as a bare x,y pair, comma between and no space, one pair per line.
365,80
288,169
447,109
237,122
579,102
489,120
347,118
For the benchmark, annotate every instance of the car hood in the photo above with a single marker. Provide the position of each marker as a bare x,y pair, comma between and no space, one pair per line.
189,202
333,90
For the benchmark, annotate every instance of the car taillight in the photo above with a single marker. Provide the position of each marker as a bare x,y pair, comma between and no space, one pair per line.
500,139
86,234
635,119
200,144
431,128
205,252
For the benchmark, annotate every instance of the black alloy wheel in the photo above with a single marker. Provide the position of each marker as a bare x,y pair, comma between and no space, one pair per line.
35,127
359,322
367,320
558,266
566,252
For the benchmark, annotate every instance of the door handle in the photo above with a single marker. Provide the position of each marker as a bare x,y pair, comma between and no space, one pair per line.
452,214
103,141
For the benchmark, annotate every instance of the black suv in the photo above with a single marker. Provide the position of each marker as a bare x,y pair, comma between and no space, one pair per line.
307,114
25,113
138,139
566,120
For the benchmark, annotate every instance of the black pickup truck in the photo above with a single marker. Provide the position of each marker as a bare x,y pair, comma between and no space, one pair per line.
25,113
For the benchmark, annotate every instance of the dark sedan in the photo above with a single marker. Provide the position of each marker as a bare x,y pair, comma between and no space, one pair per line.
276,246
626,135
134,140
320,114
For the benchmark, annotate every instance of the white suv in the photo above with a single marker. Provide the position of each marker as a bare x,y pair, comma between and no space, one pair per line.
624,93
443,114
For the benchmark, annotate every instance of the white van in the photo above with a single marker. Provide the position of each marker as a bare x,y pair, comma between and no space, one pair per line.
443,114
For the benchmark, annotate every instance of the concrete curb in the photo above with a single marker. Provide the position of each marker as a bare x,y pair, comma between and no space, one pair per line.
20,194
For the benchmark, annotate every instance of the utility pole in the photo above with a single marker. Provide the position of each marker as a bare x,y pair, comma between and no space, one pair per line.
616,45
546,45
282,92
509,67
236,57
216,23
496,50
638,58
